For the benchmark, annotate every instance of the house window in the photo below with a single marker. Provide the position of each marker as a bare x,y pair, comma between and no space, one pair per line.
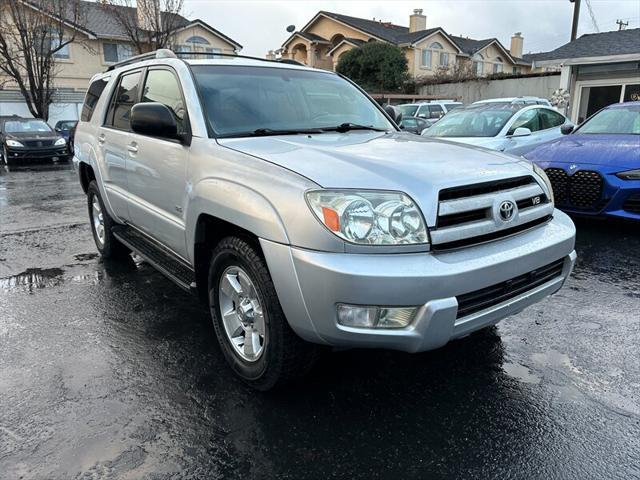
436,46
197,40
116,52
478,68
51,39
426,58
444,59
497,67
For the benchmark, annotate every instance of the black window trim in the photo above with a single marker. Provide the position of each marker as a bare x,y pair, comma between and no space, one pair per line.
114,91
188,134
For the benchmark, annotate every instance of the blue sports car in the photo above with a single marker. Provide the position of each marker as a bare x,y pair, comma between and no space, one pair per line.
595,169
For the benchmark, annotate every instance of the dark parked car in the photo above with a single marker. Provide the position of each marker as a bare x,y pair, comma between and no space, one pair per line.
595,168
30,138
66,129
414,124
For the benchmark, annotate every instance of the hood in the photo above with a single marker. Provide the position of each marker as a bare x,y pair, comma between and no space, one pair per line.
487,142
33,135
621,151
418,166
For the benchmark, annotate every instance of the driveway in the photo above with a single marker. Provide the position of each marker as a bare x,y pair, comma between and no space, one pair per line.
107,370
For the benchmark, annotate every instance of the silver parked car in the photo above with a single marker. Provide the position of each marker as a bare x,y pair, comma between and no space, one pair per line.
512,127
292,204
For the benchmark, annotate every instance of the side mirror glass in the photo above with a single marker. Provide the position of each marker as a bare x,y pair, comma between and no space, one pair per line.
155,120
566,129
394,113
521,132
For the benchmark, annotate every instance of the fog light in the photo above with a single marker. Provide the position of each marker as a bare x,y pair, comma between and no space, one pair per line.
375,317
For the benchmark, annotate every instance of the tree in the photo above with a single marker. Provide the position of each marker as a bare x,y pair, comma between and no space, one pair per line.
375,66
148,24
33,33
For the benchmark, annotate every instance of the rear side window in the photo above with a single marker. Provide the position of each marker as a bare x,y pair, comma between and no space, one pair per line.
550,119
91,99
162,86
529,119
125,96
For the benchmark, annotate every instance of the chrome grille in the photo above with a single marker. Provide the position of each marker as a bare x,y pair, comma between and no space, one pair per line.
470,214
582,190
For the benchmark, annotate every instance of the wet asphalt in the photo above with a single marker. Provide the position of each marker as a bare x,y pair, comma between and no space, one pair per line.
107,370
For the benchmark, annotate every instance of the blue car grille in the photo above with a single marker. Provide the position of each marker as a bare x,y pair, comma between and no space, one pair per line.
582,190
632,204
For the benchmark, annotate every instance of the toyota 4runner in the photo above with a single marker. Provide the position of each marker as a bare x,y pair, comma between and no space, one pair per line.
292,204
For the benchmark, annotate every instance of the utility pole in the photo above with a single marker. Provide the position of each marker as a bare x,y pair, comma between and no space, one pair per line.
576,17
622,25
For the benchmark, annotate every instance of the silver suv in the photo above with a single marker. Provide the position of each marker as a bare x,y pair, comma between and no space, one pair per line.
293,205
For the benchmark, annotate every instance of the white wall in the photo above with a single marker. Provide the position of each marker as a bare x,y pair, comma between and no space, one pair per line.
475,90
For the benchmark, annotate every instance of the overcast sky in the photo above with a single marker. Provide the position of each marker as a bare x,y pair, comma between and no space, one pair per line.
259,25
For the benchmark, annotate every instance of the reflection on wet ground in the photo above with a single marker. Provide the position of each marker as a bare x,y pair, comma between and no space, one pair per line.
107,370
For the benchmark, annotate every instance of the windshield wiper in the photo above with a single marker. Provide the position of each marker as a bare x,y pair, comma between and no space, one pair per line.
348,126
261,132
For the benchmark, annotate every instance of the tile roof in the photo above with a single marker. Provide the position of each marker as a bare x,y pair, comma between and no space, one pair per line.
603,44
398,34
98,21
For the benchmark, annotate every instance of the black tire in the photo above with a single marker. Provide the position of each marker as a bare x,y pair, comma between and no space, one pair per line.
109,246
286,356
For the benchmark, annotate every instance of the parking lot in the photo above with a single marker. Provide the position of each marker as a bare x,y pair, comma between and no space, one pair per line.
108,370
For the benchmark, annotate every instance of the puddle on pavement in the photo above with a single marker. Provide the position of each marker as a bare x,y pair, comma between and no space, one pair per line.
32,279
520,372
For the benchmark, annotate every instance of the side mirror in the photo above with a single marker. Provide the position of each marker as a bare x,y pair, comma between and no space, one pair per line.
394,113
521,132
58,129
566,129
155,120
436,115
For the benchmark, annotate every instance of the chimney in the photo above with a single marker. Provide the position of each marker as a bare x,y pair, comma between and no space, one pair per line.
517,43
271,55
148,14
417,21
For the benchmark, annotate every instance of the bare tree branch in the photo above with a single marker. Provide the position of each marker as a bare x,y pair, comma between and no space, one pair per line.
32,34
147,24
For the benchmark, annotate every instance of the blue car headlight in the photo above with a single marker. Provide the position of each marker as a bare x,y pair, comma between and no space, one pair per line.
629,174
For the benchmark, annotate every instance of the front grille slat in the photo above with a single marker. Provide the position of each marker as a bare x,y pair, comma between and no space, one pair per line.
582,190
487,297
632,204
468,214
38,143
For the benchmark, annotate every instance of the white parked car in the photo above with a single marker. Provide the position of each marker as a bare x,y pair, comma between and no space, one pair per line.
509,127
525,100
430,111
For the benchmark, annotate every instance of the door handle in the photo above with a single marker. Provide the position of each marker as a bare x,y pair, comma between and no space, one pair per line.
101,139
133,148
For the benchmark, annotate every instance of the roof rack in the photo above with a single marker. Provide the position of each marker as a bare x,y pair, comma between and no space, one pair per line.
166,53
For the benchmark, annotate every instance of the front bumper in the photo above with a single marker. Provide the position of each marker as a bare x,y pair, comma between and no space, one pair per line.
310,284
24,153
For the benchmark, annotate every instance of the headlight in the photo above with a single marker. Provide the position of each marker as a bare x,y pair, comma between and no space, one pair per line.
13,143
369,217
629,174
60,142
545,179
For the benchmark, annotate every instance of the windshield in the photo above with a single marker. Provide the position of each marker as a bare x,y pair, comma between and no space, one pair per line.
408,110
241,101
484,120
619,120
26,126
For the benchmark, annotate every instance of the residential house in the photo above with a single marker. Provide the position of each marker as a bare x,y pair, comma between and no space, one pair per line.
597,69
327,36
101,41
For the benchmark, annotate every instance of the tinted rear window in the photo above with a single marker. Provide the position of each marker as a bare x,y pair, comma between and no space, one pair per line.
91,100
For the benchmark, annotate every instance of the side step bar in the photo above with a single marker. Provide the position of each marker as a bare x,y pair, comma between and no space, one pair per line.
158,256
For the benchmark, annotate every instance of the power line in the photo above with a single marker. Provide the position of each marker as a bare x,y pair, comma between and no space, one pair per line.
593,17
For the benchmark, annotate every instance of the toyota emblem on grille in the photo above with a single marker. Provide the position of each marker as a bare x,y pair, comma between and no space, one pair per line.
506,210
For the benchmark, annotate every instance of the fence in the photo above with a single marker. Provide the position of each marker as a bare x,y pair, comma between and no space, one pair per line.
473,90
